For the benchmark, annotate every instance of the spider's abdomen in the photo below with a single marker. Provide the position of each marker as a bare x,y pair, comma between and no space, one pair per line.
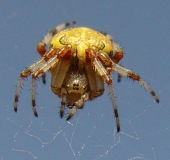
80,39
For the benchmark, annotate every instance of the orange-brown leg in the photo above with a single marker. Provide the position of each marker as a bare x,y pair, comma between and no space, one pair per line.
96,58
24,74
117,52
63,52
41,47
125,72
37,70
135,77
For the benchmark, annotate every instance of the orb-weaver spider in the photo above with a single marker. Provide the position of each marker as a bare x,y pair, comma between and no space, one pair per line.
80,60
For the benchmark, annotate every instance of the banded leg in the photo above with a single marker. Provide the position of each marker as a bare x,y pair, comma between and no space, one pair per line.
24,74
40,72
112,95
63,102
104,73
119,78
117,52
33,92
41,45
77,105
38,69
37,74
17,92
50,53
65,51
128,73
44,78
125,72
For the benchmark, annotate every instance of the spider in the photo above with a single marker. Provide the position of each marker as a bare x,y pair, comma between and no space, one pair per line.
80,61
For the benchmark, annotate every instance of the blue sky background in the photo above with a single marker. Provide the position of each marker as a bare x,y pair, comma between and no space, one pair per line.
142,28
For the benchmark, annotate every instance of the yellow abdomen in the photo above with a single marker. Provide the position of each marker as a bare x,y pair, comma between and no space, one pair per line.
80,39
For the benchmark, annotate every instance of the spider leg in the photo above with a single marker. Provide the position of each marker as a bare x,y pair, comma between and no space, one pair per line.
38,74
24,74
51,52
125,72
63,102
38,69
104,73
77,105
47,38
44,78
112,95
64,51
128,73
117,54
17,92
119,78
49,64
33,89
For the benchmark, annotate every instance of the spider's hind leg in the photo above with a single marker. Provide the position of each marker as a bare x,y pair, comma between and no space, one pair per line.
41,47
117,54
47,38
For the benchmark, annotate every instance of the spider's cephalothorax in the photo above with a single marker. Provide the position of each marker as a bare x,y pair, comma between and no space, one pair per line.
80,61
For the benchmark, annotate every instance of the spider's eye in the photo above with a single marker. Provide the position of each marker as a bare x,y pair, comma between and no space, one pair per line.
75,86
84,87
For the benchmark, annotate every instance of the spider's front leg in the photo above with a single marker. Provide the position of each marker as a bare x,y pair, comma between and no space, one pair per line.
96,62
135,77
33,68
126,72
49,64
77,105
48,61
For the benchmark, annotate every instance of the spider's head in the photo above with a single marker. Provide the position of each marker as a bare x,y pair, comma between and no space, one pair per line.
77,83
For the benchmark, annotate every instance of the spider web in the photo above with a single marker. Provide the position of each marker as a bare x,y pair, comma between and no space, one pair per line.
91,134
